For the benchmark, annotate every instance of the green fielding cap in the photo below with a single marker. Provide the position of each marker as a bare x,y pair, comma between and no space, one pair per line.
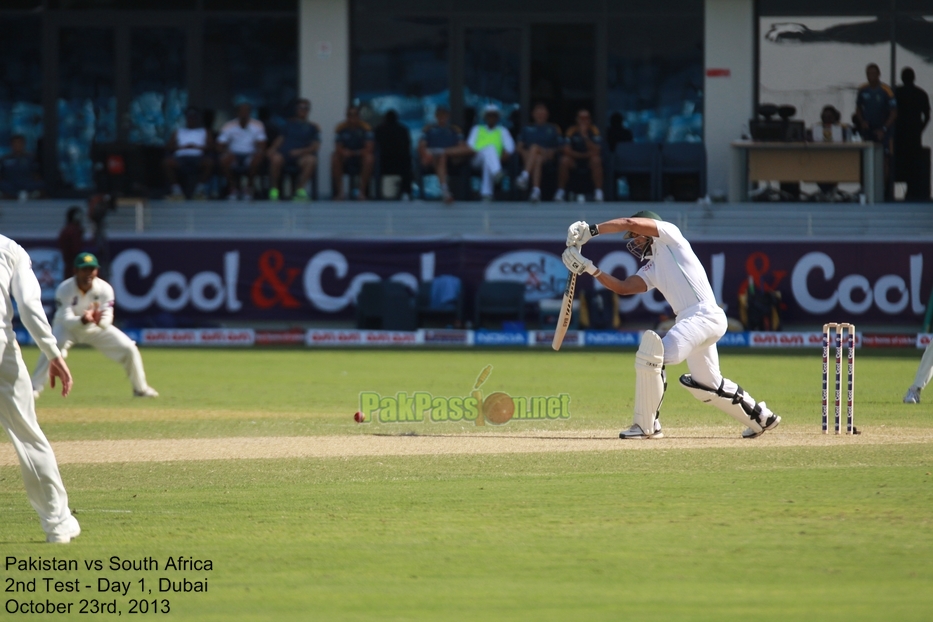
86,260
647,213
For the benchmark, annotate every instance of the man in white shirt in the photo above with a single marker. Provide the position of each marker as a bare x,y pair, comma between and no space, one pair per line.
674,269
491,144
84,314
243,141
43,481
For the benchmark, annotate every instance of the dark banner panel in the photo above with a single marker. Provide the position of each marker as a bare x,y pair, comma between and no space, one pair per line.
203,281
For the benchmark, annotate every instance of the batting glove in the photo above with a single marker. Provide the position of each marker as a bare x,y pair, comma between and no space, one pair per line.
579,233
577,263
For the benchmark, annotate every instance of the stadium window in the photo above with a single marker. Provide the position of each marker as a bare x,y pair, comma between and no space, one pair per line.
21,89
655,74
402,63
251,57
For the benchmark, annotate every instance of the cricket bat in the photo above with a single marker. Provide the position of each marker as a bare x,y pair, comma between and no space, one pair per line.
566,311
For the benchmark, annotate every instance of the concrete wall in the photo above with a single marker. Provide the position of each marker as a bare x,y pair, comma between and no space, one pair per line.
729,86
324,71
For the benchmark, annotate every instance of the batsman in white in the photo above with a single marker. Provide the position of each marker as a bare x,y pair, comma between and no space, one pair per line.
37,462
924,375
84,314
675,270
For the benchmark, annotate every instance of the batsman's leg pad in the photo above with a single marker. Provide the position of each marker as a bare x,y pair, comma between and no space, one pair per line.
649,380
734,401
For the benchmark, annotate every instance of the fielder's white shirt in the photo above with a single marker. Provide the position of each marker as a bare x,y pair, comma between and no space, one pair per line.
676,271
71,303
19,281
242,140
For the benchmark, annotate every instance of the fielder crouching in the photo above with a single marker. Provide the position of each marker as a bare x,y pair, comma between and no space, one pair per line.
84,314
674,269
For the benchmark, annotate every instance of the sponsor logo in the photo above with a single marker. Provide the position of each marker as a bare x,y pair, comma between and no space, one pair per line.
499,338
734,340
888,341
611,338
204,337
924,339
543,274
279,337
546,337
446,336
854,293
791,340
316,337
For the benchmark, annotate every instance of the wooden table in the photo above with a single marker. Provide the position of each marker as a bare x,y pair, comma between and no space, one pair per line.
810,162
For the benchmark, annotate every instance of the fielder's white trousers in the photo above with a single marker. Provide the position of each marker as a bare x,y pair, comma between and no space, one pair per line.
37,462
111,342
693,338
925,371
487,160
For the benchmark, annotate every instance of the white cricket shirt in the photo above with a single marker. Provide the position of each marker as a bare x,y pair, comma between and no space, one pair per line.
676,271
71,303
242,140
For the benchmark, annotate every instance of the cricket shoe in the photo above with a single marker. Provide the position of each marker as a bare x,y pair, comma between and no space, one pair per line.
913,396
147,392
635,432
770,423
67,532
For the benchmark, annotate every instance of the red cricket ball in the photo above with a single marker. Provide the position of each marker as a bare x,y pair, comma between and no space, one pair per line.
358,417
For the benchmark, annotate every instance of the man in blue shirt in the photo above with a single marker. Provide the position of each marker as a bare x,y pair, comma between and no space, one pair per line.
582,146
440,147
354,153
875,114
537,144
295,149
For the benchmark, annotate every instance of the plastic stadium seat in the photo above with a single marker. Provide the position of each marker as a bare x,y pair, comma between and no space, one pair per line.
385,305
500,298
639,159
680,161
441,299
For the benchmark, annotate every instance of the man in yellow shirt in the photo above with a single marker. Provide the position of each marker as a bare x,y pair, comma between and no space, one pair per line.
491,144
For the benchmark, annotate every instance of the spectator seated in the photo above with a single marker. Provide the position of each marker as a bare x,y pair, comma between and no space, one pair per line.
189,163
243,141
294,153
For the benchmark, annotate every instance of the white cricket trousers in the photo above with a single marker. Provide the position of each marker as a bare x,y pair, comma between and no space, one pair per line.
487,160
925,371
110,341
37,462
693,338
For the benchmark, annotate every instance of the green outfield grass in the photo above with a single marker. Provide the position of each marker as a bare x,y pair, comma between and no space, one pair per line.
836,532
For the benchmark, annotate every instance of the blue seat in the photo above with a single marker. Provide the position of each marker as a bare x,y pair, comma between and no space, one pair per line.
680,163
638,159
441,299
500,298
